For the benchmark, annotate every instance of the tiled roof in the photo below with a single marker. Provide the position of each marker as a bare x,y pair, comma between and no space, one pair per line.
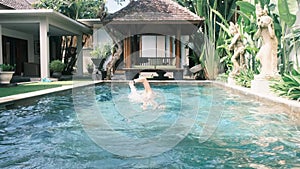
153,10
16,4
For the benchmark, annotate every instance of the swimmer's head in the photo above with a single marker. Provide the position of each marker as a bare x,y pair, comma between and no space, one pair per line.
131,83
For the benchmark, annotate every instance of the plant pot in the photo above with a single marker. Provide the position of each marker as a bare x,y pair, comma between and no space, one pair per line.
56,74
90,70
96,62
5,77
99,63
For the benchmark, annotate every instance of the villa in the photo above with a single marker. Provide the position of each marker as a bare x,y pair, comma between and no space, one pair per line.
155,35
25,37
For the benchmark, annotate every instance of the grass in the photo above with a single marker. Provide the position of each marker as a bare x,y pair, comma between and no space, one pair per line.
30,87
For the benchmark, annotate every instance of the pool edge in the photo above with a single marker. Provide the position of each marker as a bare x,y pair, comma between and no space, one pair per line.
292,105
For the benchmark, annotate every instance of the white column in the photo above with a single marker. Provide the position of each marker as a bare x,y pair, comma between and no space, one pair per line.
184,41
79,56
95,37
173,44
44,49
182,50
1,52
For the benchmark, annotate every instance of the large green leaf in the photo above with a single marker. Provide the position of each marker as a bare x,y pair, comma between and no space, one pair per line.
287,11
246,7
221,17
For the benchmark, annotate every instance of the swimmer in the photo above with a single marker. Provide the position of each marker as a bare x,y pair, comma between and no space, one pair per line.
146,84
148,97
132,87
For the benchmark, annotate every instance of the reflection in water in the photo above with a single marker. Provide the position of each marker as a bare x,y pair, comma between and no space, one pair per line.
250,134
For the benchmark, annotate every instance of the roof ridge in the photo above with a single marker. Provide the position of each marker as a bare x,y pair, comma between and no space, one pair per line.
16,4
183,8
147,10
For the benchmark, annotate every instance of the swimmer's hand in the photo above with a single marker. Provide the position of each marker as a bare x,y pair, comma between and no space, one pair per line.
131,82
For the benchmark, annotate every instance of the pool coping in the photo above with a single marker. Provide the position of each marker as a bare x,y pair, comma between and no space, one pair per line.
292,105
10,100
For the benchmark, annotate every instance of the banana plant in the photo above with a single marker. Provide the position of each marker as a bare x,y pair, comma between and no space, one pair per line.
283,13
287,14
293,41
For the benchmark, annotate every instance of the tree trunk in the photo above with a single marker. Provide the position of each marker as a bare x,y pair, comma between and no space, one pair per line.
116,55
115,58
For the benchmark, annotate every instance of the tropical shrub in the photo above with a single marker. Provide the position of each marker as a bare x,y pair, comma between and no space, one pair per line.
7,67
289,85
244,78
57,66
102,52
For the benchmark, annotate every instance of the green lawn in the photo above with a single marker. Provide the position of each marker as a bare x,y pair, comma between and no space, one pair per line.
30,87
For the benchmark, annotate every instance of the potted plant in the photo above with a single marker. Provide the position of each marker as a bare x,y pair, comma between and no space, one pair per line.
101,53
57,67
99,56
90,68
6,73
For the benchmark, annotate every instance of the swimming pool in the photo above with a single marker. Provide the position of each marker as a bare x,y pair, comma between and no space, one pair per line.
206,126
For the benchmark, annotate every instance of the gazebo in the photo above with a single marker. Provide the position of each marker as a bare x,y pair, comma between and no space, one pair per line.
154,34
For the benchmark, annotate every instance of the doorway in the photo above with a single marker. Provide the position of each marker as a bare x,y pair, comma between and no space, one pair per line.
15,52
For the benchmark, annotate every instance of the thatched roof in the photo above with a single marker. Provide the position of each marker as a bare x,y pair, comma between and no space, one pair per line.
153,11
16,4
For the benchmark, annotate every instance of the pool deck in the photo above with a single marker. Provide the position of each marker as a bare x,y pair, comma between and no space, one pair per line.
10,100
293,106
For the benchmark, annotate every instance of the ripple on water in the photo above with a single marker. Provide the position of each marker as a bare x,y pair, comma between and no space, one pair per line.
248,134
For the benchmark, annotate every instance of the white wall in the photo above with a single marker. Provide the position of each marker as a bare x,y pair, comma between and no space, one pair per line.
100,37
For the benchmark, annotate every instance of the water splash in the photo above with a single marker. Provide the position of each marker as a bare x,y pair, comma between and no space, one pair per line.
147,99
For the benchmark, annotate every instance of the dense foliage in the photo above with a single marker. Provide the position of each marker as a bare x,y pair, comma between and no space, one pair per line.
75,9
57,66
102,52
244,78
213,12
7,67
289,85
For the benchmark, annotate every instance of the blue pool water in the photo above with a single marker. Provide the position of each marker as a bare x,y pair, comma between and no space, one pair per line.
213,129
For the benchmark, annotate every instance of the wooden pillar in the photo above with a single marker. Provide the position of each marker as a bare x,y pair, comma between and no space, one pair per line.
171,46
177,49
127,52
